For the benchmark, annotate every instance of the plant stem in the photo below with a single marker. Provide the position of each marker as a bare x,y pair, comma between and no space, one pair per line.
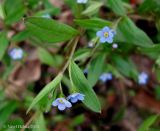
71,54
30,121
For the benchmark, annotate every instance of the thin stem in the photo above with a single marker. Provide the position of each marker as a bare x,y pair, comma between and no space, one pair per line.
30,121
93,52
61,91
71,54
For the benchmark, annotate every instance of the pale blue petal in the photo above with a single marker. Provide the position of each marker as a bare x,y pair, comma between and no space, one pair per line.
69,97
102,39
67,104
80,97
106,29
99,33
55,103
61,107
74,100
103,78
111,34
109,40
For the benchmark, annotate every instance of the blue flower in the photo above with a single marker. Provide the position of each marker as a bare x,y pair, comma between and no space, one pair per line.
106,35
82,1
16,53
143,78
75,97
85,71
106,77
62,104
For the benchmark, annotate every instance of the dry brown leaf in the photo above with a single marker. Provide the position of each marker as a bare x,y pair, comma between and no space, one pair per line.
23,74
66,17
146,101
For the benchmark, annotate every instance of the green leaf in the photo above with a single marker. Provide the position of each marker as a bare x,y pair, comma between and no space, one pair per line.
7,111
40,122
50,11
21,36
80,82
81,54
154,129
48,59
2,15
14,11
95,69
131,34
78,120
119,115
3,44
48,30
92,23
157,92
13,123
94,6
50,86
117,7
126,67
152,51
147,123
150,5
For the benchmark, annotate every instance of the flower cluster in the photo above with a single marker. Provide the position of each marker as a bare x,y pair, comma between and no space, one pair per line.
16,53
82,1
143,78
63,103
106,77
106,35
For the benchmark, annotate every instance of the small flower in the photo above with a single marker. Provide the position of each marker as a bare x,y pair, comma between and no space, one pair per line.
106,77
46,16
85,71
16,53
75,97
90,44
143,78
115,46
82,1
62,104
106,35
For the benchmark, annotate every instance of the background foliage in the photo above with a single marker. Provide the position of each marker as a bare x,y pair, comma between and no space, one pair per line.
59,41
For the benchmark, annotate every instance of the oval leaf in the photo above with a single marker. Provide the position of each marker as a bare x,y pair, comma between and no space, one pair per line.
51,86
48,30
83,86
117,7
3,44
92,23
130,33
147,123
95,69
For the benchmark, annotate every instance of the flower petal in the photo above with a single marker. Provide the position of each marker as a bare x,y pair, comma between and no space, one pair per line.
99,33
80,97
102,39
74,100
111,34
61,107
55,103
67,104
106,29
109,40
